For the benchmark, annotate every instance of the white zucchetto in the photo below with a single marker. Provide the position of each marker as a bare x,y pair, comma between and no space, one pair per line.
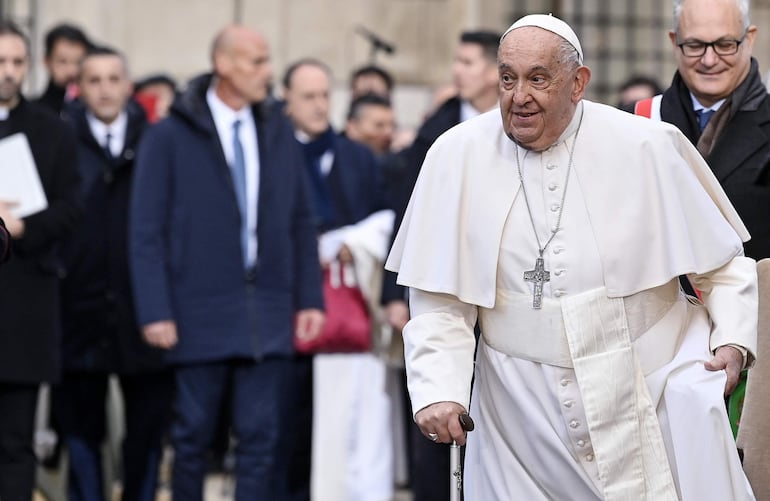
549,23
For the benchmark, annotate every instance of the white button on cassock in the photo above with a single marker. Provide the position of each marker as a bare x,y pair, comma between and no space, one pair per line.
589,457
574,424
569,403
552,186
564,382
580,443
555,208
550,166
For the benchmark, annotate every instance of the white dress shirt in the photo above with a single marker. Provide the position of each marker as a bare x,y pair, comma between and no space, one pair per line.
116,130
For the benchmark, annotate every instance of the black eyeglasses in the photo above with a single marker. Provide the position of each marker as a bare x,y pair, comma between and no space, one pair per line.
723,47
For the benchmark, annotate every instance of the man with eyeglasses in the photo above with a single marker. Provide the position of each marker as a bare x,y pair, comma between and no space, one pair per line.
718,101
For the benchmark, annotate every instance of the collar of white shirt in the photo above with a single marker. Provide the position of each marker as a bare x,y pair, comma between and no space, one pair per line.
116,130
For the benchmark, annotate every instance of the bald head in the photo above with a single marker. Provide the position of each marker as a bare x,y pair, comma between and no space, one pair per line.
233,36
241,61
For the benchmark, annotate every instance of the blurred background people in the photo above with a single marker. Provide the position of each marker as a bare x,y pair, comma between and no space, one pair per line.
371,122
224,263
342,395
371,79
155,93
65,47
100,336
29,283
635,89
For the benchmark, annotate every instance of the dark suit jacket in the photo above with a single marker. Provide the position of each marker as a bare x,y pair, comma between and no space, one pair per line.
29,283
740,160
5,243
99,328
401,171
185,252
355,182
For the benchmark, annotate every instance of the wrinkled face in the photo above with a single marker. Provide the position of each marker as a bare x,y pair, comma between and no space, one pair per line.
63,63
14,63
369,83
104,86
539,92
374,127
473,74
712,77
307,100
245,68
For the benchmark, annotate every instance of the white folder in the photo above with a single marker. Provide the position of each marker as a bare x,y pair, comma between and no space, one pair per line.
19,179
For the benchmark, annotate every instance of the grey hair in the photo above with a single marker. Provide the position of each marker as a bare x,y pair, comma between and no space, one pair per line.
743,8
568,54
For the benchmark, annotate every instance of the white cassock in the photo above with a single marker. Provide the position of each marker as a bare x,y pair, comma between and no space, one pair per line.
602,393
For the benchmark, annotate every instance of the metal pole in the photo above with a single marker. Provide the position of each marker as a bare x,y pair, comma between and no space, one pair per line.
455,462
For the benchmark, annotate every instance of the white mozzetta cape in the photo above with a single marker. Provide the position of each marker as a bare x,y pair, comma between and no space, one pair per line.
656,209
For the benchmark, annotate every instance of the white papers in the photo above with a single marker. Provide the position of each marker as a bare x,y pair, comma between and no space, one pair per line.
19,179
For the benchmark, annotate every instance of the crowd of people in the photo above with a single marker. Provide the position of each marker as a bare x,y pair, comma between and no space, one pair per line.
590,273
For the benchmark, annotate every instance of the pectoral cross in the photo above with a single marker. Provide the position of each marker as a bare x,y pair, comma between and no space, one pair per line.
538,276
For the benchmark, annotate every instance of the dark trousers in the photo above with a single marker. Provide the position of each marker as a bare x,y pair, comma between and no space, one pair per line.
17,424
256,390
80,400
295,446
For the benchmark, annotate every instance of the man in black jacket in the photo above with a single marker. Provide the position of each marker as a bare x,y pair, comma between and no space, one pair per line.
99,330
29,301
718,101
65,47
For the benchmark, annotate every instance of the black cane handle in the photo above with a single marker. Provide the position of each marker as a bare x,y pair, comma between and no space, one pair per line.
466,422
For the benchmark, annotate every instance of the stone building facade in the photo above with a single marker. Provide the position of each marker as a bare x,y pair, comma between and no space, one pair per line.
620,37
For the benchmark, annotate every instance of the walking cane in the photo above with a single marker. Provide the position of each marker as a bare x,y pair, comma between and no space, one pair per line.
455,463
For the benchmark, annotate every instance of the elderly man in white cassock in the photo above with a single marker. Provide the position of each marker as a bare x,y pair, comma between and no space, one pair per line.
562,230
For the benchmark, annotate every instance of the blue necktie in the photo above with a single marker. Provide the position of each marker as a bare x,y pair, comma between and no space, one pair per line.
703,118
239,180
106,146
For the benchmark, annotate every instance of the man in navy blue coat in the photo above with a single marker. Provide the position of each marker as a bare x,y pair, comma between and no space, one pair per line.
224,261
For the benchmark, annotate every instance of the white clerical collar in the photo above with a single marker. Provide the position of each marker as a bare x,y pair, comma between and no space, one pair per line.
4,112
116,130
697,106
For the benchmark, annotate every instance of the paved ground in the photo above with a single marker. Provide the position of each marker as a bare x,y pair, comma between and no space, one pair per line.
218,488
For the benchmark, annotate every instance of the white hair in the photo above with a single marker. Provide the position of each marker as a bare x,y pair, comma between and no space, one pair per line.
743,8
568,54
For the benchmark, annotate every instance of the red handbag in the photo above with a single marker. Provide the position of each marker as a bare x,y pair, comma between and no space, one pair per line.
348,326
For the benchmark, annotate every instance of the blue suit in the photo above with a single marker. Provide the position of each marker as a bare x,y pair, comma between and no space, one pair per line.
235,327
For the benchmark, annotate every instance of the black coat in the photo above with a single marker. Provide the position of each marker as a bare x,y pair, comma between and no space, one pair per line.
53,98
29,283
5,243
99,329
401,171
740,159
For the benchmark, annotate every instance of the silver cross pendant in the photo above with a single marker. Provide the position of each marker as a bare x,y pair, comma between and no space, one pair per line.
538,276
